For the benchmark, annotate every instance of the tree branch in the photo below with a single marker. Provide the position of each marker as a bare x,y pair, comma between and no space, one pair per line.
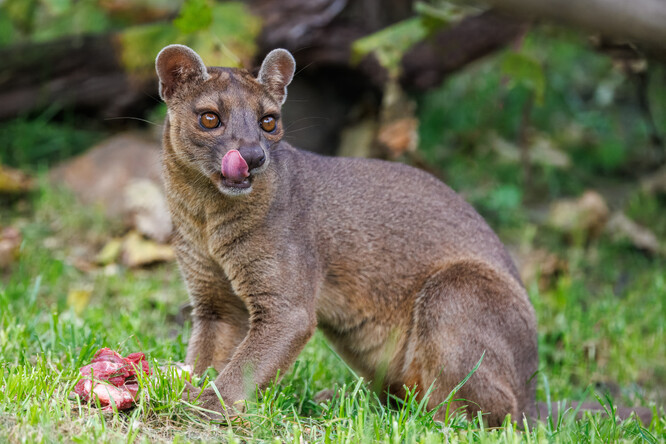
643,21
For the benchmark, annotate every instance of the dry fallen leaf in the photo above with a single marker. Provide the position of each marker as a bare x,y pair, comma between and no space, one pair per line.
10,246
399,136
14,181
110,252
138,252
78,299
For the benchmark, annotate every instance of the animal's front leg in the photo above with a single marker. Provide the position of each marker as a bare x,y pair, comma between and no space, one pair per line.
213,342
275,338
219,324
219,318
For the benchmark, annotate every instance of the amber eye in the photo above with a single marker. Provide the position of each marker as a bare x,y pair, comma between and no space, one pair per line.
268,124
209,120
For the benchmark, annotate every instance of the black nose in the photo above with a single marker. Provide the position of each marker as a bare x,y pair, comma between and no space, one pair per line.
253,155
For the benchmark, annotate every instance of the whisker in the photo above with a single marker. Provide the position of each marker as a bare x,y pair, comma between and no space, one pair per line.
303,69
301,129
133,118
291,124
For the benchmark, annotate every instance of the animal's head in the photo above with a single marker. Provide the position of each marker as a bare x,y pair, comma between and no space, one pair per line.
224,121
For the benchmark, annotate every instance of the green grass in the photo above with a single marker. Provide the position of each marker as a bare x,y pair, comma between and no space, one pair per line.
38,141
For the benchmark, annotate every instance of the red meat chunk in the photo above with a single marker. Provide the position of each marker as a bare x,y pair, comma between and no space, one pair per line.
111,379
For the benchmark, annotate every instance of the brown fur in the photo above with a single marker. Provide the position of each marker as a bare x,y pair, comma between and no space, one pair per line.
404,278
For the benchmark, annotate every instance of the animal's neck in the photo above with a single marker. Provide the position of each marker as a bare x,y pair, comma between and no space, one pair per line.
196,201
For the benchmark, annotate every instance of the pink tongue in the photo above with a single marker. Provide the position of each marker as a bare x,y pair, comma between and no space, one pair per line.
234,167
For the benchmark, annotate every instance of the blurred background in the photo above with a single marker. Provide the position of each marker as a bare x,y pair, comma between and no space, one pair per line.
550,120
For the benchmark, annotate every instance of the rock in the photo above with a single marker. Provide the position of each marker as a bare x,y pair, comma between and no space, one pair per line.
147,205
620,227
123,175
586,215
101,175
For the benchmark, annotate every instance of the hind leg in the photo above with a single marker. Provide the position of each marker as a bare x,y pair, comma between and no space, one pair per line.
465,310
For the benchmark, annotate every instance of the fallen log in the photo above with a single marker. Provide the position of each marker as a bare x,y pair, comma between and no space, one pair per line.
74,72
86,73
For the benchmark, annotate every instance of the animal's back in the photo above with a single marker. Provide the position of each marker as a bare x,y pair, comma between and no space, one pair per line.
398,214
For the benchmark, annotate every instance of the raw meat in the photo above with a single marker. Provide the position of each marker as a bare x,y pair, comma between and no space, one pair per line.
112,379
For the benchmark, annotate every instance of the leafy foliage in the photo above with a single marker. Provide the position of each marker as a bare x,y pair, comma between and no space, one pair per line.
224,32
34,142
525,70
389,44
41,20
589,116
195,15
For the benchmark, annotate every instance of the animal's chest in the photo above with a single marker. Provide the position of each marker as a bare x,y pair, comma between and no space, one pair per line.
208,278
195,226
192,240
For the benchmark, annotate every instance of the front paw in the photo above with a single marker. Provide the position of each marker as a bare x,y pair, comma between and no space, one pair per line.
190,393
213,408
209,405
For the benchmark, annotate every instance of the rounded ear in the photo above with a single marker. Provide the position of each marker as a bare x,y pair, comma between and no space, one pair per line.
177,64
276,73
